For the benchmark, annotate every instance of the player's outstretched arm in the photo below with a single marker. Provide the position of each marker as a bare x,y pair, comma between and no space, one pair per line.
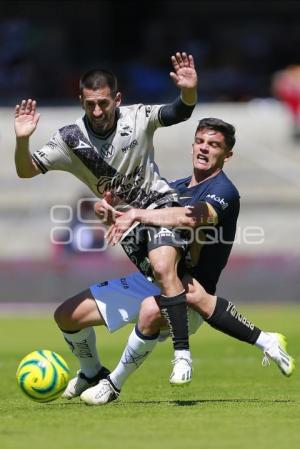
200,214
26,119
185,77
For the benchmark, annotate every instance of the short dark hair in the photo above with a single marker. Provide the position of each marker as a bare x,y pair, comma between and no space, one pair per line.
97,78
217,124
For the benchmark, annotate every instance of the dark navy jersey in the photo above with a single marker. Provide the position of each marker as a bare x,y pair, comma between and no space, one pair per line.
211,245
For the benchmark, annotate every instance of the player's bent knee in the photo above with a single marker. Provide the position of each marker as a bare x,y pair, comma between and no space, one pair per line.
65,315
61,316
149,315
150,319
163,271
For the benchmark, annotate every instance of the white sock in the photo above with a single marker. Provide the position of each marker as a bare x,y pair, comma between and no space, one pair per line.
137,350
264,341
83,346
182,353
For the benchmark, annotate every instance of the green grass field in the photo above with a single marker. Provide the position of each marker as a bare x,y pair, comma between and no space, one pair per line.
232,403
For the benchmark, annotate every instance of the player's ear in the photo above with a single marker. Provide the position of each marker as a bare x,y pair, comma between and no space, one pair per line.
228,155
81,100
118,99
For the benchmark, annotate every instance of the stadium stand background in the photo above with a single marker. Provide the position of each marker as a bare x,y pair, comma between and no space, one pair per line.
237,47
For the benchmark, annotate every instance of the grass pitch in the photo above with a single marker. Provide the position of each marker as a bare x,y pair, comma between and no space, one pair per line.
232,402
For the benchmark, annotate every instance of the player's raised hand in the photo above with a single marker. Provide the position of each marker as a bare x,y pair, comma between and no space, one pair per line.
184,74
26,118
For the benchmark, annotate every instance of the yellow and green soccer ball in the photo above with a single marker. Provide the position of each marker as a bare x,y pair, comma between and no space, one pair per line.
43,375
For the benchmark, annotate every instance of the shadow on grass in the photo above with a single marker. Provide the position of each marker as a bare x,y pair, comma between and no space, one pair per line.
189,403
179,402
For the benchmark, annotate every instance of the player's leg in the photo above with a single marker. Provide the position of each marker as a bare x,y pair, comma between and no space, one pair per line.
151,327
173,305
137,350
76,317
78,312
164,247
224,316
140,344
113,303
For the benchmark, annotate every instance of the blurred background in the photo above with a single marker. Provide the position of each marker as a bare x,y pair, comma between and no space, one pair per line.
248,60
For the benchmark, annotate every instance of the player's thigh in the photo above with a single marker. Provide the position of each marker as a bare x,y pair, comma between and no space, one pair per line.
165,248
79,311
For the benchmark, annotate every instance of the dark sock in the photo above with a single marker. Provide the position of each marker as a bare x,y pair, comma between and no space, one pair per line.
174,310
70,332
117,390
145,337
228,320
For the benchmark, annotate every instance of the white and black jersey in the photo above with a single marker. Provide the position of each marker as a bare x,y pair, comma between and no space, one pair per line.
121,161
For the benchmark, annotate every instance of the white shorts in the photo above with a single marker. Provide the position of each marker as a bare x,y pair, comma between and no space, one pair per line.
119,301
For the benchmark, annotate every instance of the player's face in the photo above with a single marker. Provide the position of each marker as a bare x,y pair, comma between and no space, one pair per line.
100,108
209,151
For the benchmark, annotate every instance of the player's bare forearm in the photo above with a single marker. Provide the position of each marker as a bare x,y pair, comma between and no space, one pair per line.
25,166
200,214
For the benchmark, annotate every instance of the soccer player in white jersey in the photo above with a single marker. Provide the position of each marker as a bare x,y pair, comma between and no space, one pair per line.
111,149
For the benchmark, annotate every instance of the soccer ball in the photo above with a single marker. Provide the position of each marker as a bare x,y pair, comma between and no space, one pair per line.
43,375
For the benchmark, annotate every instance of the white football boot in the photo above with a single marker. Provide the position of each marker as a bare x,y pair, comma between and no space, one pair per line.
182,370
278,353
81,382
101,394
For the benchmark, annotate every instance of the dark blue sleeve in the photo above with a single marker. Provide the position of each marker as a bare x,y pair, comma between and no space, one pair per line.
224,198
175,112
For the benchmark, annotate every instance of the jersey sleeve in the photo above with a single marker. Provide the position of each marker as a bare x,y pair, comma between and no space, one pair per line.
224,199
53,156
150,115
175,112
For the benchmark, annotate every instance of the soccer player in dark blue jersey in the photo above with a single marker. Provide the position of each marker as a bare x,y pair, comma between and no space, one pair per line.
210,208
